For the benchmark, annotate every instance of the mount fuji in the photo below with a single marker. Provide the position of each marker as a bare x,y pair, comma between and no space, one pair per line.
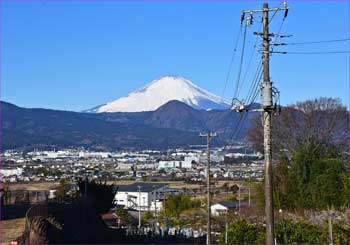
159,92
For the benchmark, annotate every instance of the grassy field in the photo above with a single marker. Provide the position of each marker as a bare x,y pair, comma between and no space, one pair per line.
33,186
53,185
11,229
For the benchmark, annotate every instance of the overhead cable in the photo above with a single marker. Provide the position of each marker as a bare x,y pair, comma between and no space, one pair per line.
325,52
317,42
240,63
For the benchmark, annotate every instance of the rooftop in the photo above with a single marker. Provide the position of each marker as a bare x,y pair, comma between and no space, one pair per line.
145,187
229,204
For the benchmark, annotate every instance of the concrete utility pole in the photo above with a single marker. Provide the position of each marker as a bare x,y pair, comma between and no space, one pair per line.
239,198
226,228
209,136
164,202
330,228
155,210
249,188
85,186
267,104
155,198
139,187
267,110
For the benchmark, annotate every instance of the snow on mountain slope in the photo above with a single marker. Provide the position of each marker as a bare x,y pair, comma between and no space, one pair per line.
161,91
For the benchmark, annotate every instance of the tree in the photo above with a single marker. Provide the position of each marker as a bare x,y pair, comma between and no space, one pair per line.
323,121
124,215
314,178
101,195
7,194
287,231
62,191
308,140
242,231
147,216
300,232
175,204
234,189
226,187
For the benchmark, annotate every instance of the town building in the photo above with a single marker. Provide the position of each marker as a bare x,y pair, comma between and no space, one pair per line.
174,164
140,195
223,207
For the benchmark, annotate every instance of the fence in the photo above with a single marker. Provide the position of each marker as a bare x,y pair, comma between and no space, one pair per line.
35,211
25,197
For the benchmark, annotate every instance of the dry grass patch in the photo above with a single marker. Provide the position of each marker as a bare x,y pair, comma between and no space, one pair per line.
11,229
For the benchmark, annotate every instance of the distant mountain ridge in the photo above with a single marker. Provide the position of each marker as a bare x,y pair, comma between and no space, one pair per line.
174,124
160,91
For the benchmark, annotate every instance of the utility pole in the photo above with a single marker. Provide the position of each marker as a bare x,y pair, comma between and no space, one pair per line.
154,214
267,109
155,199
226,228
209,136
164,202
239,198
249,188
139,187
330,228
85,186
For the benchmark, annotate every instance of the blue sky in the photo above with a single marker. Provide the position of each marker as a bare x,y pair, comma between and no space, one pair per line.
76,55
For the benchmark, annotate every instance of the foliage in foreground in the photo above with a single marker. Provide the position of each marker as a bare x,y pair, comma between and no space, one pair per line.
314,178
124,215
175,204
101,195
62,191
242,231
308,140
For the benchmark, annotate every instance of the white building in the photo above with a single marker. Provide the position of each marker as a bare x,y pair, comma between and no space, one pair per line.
86,154
223,207
141,195
174,164
125,165
10,172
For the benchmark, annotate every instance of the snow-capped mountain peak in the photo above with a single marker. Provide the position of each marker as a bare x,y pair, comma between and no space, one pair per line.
161,91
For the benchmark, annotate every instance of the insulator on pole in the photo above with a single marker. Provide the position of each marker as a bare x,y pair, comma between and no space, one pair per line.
242,16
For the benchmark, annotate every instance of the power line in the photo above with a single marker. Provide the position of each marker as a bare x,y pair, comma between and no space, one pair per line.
240,63
325,52
254,85
234,133
238,126
249,62
279,31
316,42
256,89
231,61
253,91
274,14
